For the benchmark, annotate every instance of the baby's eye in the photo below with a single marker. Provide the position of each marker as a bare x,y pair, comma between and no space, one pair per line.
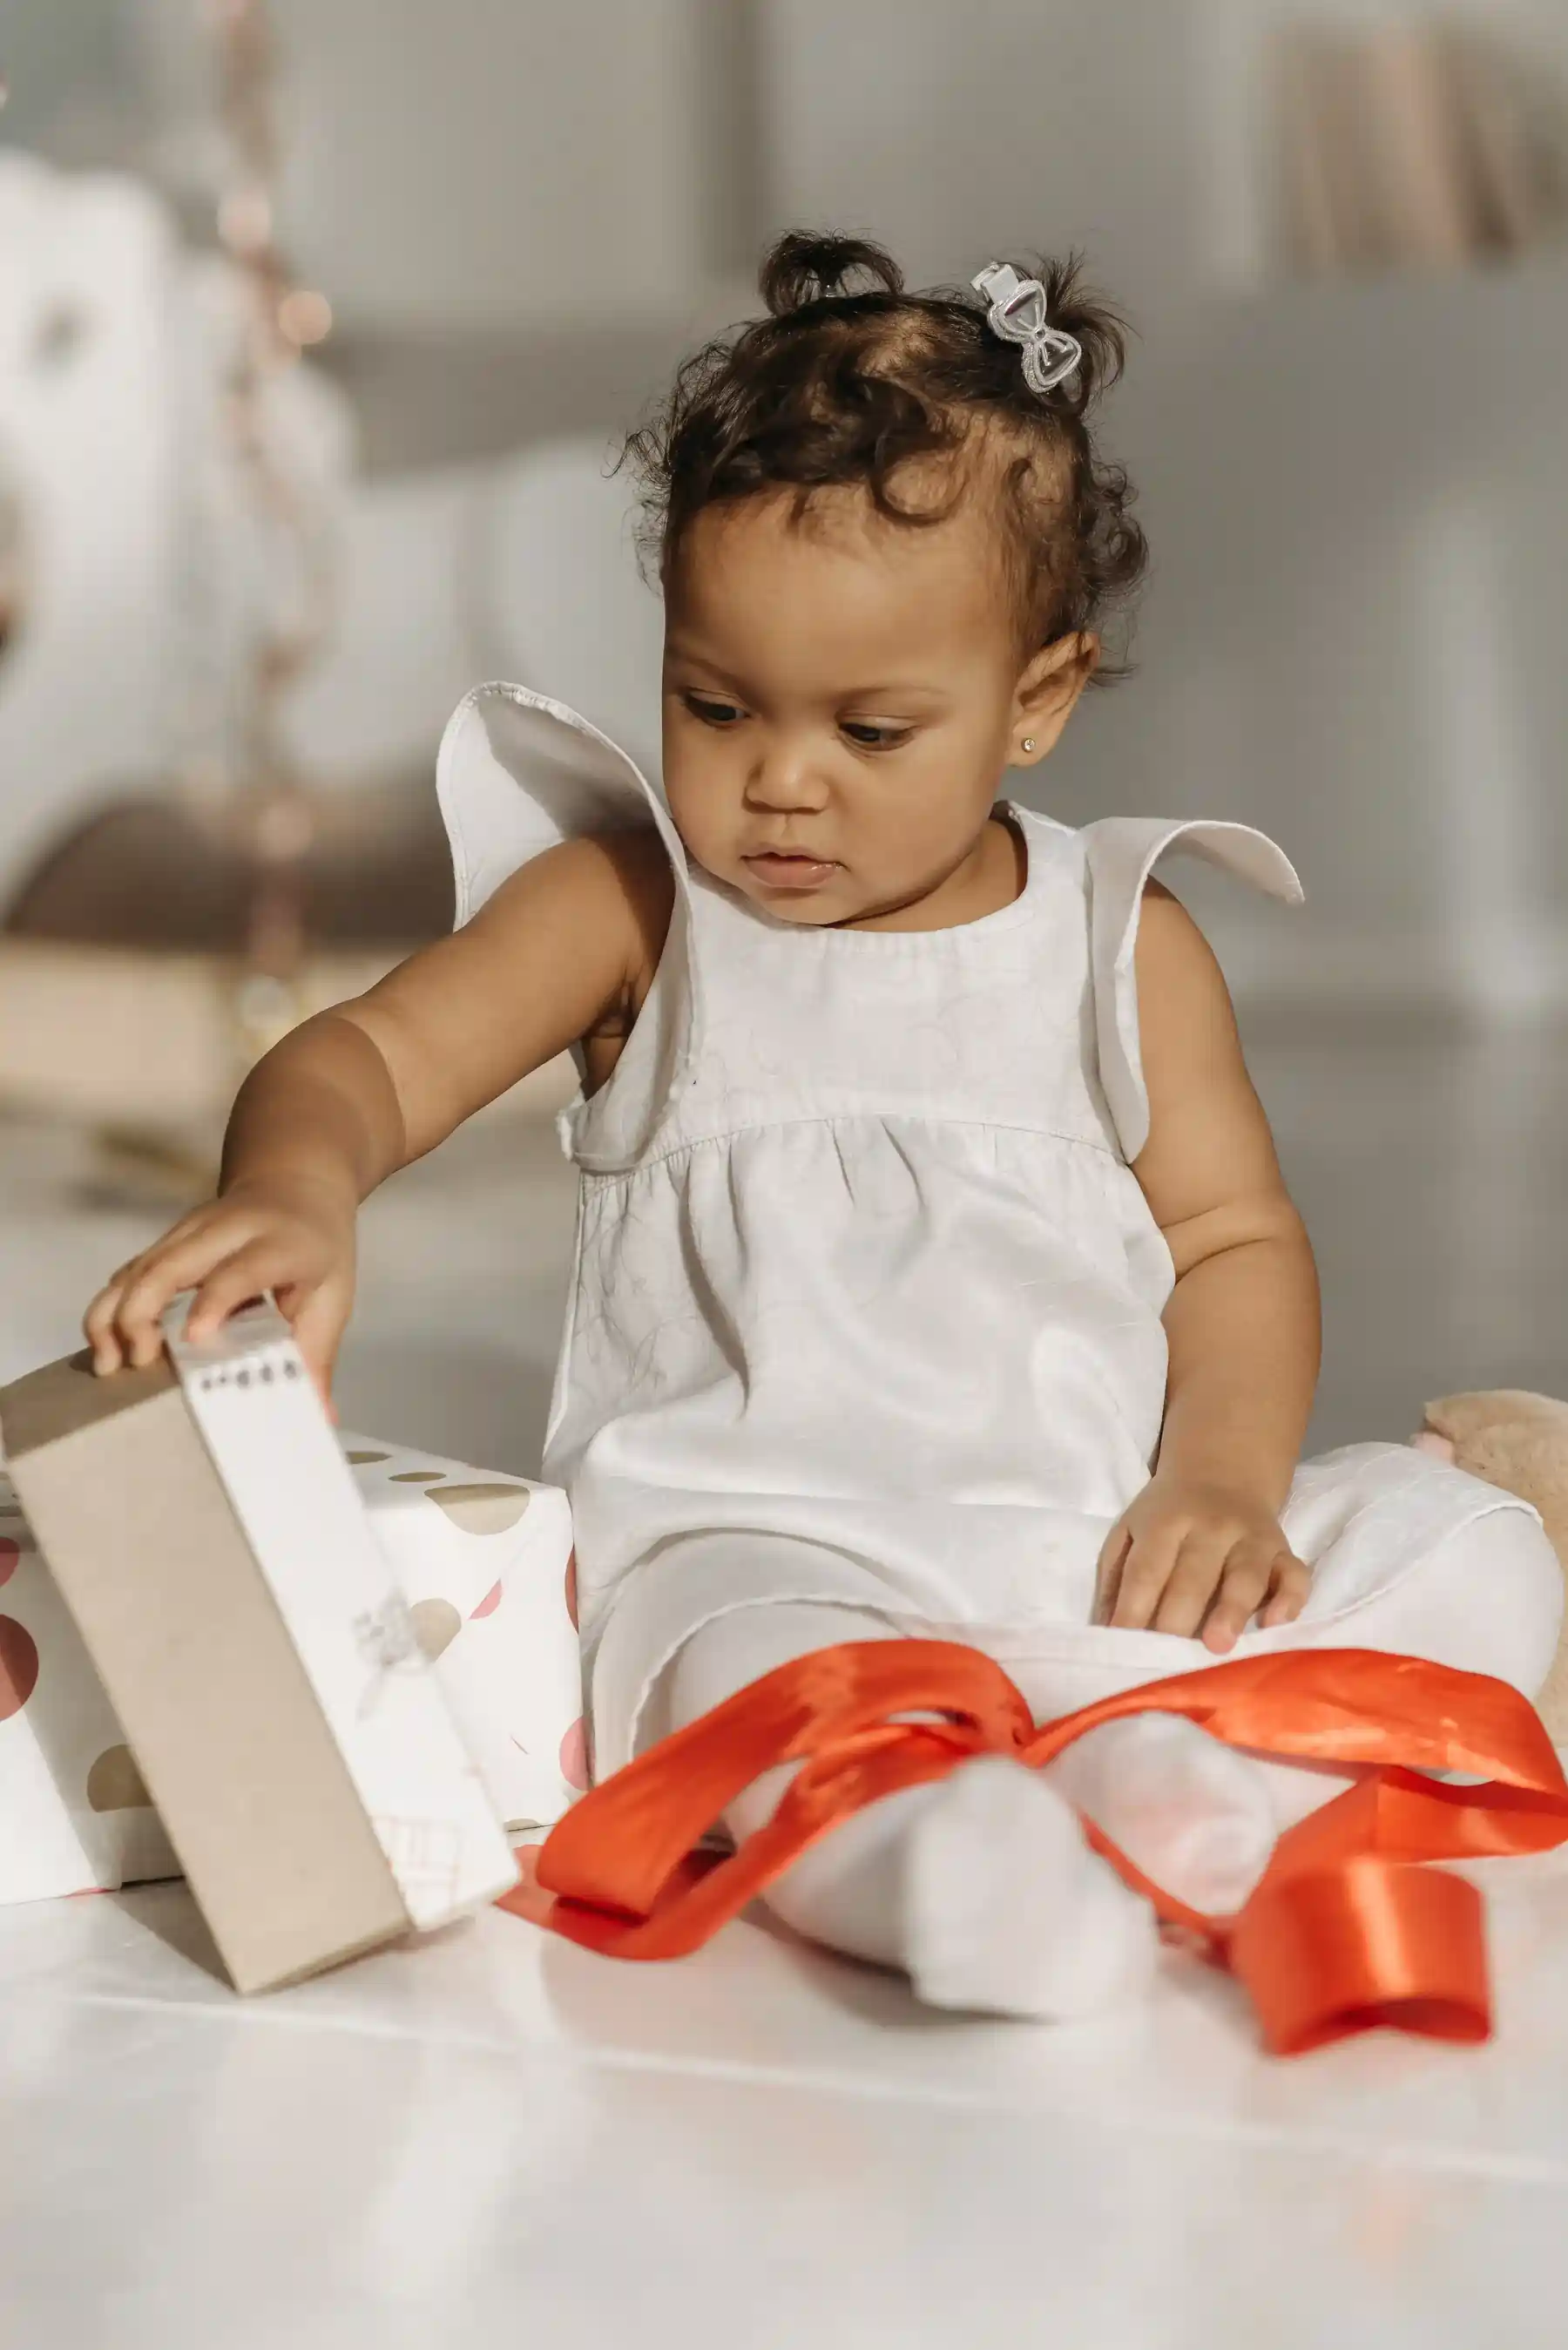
713,710
867,736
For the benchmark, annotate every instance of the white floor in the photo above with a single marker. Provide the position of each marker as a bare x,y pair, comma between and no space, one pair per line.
496,2136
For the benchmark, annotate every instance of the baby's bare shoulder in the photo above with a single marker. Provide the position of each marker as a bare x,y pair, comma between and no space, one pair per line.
1172,951
584,922
555,957
619,886
617,876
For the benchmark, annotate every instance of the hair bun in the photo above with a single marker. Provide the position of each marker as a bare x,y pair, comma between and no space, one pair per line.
803,268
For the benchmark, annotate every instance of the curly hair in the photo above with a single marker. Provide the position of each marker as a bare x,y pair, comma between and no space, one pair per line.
849,385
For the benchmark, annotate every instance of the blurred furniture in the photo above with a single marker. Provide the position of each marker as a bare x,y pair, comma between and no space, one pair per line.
89,423
117,940
1413,146
128,881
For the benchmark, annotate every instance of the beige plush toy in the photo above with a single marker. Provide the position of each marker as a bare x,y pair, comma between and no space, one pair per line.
1519,1441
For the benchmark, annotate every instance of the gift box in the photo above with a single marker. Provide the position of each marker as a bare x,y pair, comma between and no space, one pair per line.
487,1567
258,1668
484,1564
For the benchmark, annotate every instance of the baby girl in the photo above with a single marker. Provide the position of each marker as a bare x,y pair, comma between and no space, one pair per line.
935,1274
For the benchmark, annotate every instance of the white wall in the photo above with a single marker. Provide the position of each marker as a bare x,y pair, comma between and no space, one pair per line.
952,131
463,163
66,64
482,160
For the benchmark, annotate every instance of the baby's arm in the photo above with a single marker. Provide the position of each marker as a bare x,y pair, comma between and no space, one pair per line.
1202,1547
563,953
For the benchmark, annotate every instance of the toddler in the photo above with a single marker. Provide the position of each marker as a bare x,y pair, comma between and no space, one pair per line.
935,1274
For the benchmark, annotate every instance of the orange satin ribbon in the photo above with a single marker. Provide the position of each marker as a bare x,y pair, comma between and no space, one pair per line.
1346,1929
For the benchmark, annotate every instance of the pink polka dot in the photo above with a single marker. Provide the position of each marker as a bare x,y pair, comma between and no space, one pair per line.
572,1589
575,1756
527,1899
10,1552
489,1604
18,1667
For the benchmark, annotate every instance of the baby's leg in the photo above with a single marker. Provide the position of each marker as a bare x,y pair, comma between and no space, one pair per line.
980,1888
1489,1599
1192,1812
845,1891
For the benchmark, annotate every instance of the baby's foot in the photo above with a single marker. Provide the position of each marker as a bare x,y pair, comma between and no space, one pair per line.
1193,1814
1008,1912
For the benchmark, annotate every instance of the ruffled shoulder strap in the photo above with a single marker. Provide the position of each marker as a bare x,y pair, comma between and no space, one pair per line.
1121,852
518,774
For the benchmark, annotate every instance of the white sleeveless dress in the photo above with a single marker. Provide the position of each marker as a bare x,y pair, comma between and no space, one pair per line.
866,1306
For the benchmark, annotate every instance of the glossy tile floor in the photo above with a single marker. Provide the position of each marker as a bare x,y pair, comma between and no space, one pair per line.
492,2136
500,2138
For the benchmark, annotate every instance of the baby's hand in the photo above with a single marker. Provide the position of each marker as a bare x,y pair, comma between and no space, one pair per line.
1191,1557
290,1234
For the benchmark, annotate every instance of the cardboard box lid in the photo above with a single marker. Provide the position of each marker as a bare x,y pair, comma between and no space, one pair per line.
52,1404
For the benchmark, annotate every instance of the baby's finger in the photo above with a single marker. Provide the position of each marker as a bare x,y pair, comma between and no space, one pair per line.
99,1322
1248,1576
139,1304
1292,1581
1145,1574
249,1273
1191,1584
1108,1571
105,1308
156,1279
320,1318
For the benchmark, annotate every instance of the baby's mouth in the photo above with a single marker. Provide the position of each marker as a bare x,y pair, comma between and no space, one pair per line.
789,869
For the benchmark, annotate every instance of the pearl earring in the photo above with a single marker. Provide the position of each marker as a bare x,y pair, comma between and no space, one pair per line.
1028,742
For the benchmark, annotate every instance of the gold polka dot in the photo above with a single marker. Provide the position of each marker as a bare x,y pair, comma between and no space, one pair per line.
436,1625
417,1477
363,1460
481,1508
114,1783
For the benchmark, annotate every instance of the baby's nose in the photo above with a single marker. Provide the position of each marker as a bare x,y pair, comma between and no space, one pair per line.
785,782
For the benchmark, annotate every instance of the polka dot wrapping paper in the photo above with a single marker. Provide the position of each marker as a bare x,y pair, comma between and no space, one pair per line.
74,1814
486,1565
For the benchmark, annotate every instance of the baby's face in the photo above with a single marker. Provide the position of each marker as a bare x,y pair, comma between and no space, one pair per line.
840,701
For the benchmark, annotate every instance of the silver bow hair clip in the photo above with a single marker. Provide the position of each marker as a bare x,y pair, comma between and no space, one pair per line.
1017,314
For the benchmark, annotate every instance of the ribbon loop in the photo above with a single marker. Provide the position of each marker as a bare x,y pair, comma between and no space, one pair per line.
1343,1950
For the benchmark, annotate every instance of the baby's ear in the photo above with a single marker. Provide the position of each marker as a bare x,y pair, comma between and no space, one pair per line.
1058,672
1048,690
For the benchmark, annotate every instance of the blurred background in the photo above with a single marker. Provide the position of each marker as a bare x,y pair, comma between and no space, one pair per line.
318,323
